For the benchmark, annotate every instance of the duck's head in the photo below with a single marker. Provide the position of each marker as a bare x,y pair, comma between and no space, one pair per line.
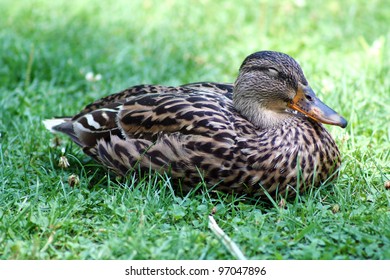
269,83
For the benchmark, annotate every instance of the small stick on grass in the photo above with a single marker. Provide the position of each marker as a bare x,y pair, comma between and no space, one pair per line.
229,244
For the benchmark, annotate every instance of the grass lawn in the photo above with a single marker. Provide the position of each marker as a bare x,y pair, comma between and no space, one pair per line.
48,47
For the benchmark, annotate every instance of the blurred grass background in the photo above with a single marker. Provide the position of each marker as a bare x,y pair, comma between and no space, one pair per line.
47,48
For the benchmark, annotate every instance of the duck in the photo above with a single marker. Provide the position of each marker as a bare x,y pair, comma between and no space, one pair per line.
261,135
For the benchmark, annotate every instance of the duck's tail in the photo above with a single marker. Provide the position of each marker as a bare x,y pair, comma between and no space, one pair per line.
63,125
55,125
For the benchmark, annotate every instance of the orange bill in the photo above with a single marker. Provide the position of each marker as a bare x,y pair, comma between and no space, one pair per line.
306,102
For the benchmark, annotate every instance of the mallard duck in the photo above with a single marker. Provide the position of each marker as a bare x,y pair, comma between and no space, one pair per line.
261,134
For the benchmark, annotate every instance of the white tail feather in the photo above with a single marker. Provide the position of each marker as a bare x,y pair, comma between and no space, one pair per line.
50,123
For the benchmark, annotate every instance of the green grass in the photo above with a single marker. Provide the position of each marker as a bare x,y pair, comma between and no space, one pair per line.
46,49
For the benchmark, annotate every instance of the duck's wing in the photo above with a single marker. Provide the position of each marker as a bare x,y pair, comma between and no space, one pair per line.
132,92
177,133
145,111
196,112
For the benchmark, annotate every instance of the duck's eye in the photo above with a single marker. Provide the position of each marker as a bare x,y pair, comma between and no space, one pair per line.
273,71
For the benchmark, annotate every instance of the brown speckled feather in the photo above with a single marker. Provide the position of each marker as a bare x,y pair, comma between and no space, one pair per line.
195,132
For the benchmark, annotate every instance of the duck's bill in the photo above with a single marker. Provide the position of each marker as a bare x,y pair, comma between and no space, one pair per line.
306,102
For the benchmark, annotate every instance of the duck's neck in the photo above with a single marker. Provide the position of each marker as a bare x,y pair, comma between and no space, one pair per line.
258,111
261,117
